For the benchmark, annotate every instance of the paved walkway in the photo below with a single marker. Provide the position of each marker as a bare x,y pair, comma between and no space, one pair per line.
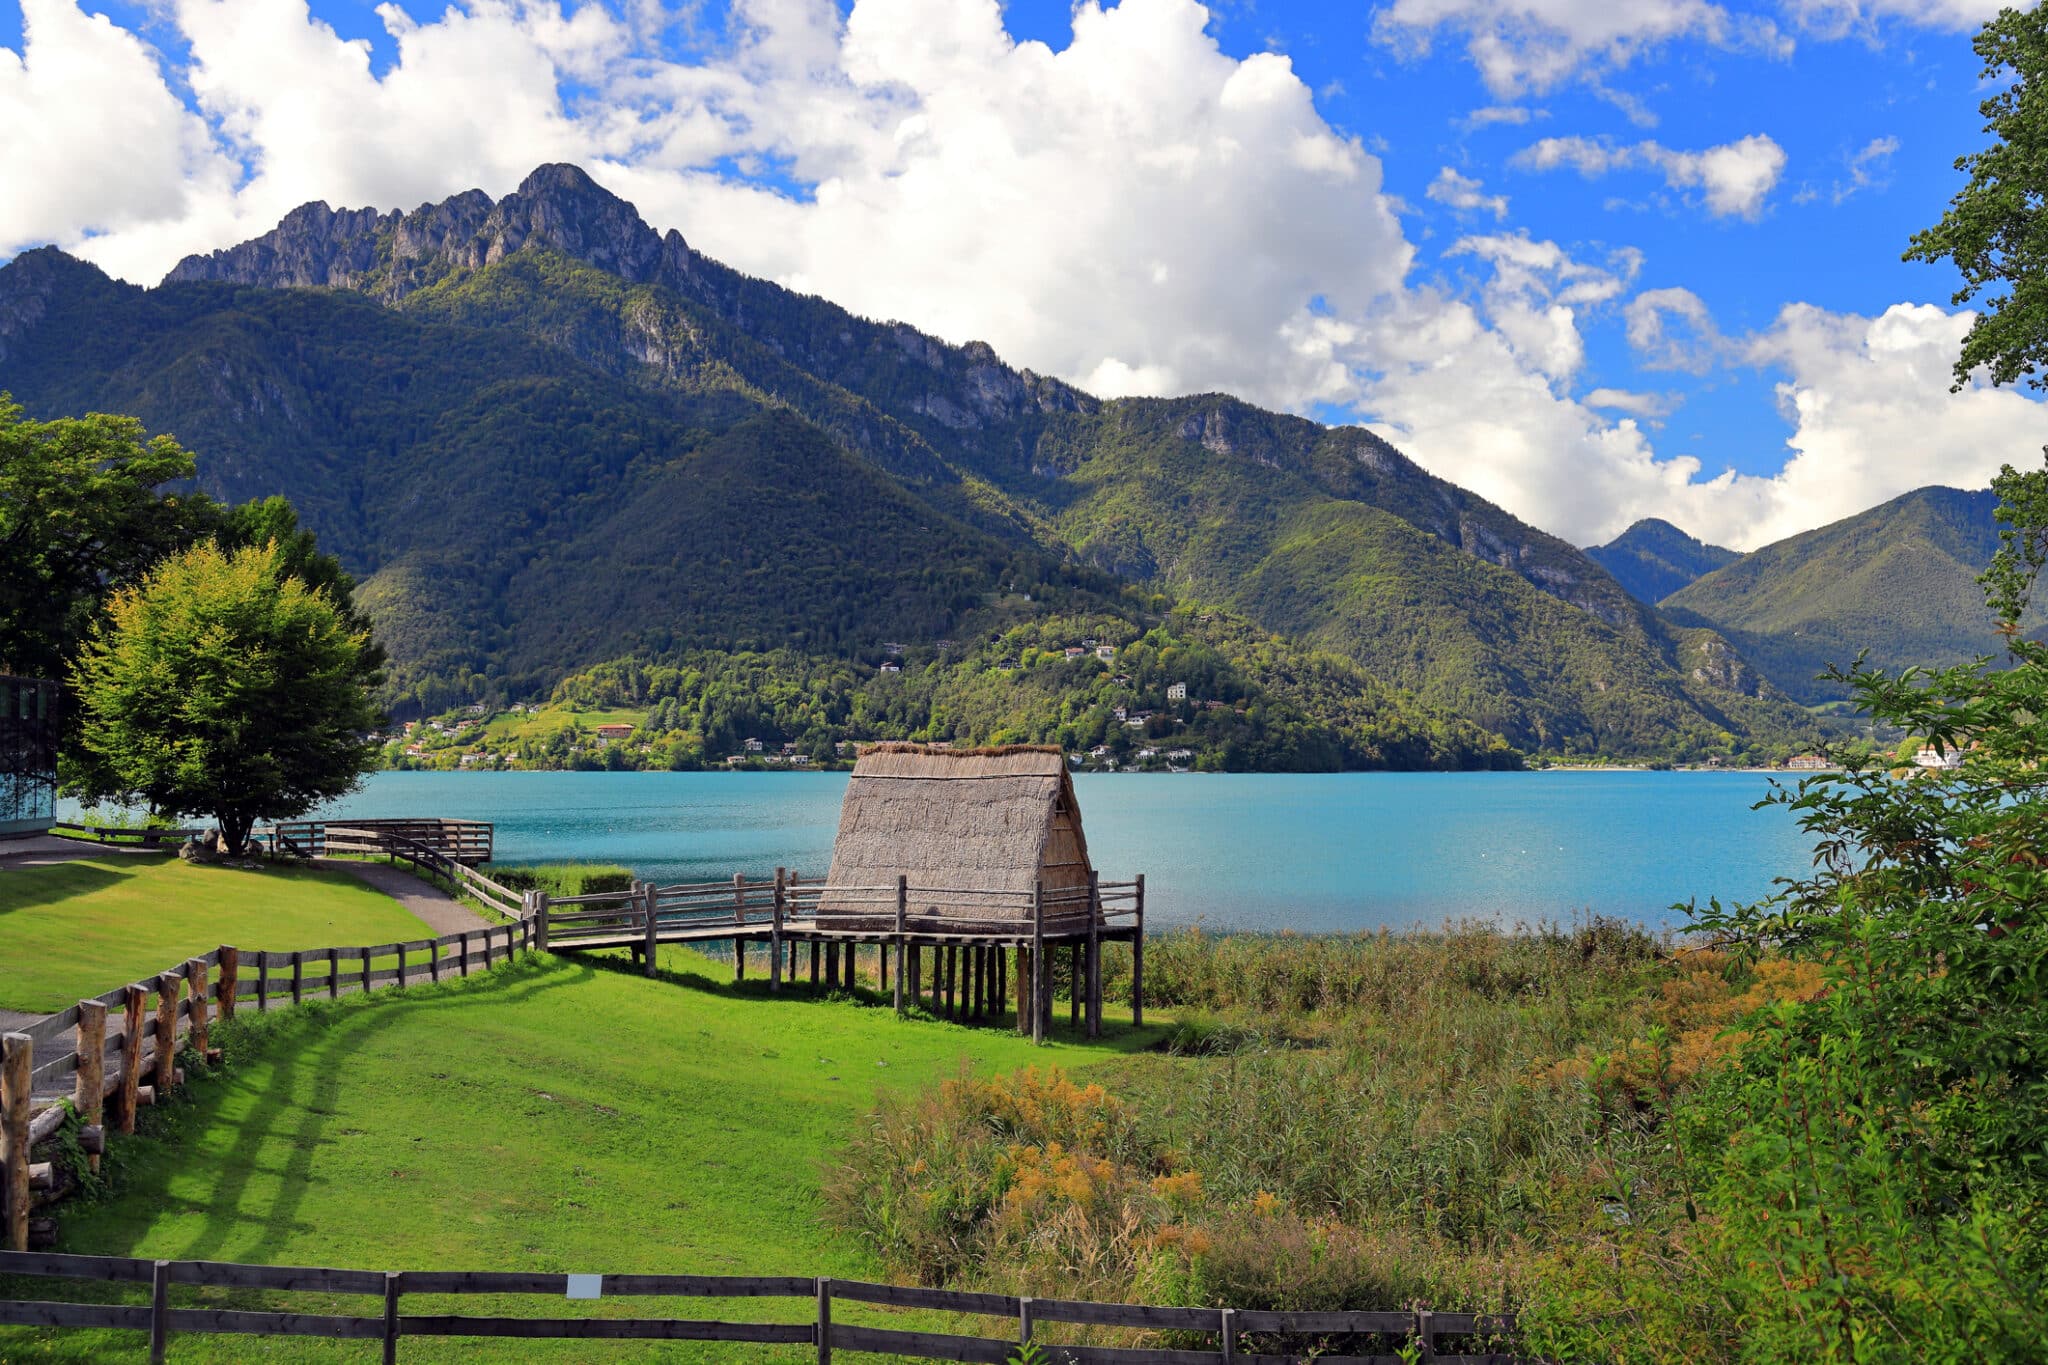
40,850
441,911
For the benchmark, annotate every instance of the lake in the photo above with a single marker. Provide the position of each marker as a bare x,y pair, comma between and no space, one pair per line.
1314,853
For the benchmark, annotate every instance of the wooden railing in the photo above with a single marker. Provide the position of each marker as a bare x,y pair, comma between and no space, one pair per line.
122,836
130,1060
465,841
1248,1336
381,837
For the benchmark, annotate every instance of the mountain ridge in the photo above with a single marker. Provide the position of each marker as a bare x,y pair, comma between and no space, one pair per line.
1653,559
1035,466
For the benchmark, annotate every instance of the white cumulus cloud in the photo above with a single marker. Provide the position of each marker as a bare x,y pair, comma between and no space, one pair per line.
1465,194
1733,178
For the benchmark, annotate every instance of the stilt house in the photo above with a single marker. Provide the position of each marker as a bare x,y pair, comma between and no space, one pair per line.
976,833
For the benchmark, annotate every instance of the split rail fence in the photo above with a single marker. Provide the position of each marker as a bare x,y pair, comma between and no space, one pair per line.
1240,1336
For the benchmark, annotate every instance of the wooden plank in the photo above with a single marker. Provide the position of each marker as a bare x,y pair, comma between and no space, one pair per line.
249,1323
66,1266
1324,1323
49,1313
708,1286
630,1329
1125,1315
923,1345
311,1279
945,1300
17,1052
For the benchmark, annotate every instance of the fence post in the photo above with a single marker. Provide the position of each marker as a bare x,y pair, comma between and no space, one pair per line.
89,1092
391,1291
16,1069
1228,1331
1041,983
263,981
366,962
132,1000
195,981
1425,1333
824,1322
652,894
1024,1324
298,977
167,988
465,950
159,1311
775,929
1094,1007
230,980
1138,961
334,973
539,912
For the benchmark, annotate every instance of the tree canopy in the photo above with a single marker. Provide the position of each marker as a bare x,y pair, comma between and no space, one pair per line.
1996,227
223,685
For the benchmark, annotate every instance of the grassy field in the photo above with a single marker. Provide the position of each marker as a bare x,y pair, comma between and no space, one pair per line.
557,1115
79,928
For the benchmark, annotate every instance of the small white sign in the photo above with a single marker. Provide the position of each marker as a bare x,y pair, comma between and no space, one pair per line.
586,1286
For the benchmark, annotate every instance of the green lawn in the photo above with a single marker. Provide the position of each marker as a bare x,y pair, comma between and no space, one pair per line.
79,928
556,1115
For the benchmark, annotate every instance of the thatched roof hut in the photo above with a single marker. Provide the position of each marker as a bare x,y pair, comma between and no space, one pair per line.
992,823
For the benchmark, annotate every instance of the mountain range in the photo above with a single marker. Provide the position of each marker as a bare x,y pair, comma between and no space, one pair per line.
544,435
1653,559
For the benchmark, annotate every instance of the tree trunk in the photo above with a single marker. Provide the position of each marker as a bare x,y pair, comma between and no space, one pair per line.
234,831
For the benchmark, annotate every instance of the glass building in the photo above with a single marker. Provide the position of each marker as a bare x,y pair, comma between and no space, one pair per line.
28,755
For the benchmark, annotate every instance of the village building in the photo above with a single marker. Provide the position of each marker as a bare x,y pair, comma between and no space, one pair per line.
1937,759
752,746
613,731
1807,763
1177,692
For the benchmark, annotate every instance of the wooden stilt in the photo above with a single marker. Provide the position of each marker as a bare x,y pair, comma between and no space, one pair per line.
775,931
816,948
1074,984
89,1092
1041,986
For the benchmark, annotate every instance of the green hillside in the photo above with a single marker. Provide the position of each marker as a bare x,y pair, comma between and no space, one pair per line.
544,436
1899,580
1653,559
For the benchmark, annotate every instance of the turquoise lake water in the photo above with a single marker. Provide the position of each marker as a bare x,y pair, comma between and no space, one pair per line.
1314,853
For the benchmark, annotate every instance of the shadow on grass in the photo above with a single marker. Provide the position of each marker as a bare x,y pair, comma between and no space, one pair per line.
318,1039
30,888
1118,1035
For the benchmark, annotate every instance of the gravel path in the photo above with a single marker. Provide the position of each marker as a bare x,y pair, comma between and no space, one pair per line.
441,911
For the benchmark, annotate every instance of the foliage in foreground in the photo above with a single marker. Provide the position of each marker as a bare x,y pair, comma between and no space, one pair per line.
1343,1123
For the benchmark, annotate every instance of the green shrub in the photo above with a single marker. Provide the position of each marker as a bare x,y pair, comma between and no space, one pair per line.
561,879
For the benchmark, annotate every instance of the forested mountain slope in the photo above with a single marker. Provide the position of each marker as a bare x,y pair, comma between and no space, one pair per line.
547,436
1899,580
1653,559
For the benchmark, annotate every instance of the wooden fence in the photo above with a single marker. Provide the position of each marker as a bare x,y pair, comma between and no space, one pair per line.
1246,1336
468,842
124,836
91,1062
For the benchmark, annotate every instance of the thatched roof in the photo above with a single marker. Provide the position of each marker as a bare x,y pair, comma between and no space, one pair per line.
997,819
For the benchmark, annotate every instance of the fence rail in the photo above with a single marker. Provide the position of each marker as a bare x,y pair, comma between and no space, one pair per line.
1334,1338
123,836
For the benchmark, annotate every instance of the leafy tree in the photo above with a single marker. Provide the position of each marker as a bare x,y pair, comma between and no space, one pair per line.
82,510
224,686
1996,227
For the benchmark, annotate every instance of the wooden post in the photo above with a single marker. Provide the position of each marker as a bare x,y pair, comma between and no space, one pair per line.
132,1000
1074,984
399,980
263,982
824,1322
366,960
392,1284
652,916
1425,1333
465,950
1094,954
739,959
832,981
1227,1330
881,965
1041,986
298,977
230,980
16,1068
434,961
1002,970
334,973
1138,960
195,981
88,1093
539,915
739,898
1024,1305
902,948
1023,986
915,977
815,949
167,987
159,1311
775,929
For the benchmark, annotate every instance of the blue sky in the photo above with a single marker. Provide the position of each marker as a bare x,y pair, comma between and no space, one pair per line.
1320,206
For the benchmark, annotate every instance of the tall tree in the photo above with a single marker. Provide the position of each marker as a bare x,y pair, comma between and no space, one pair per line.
1996,227
223,685
82,510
